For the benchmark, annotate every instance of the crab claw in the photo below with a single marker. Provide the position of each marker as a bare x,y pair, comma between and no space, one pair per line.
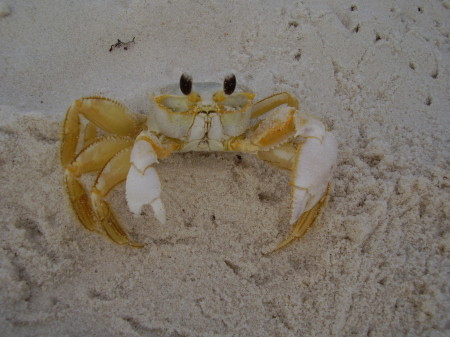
312,172
142,184
314,167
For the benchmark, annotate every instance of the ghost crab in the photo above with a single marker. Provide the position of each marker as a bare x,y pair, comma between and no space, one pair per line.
202,117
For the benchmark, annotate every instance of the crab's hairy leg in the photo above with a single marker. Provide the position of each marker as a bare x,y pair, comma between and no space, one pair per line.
277,129
107,114
104,113
143,186
91,158
71,133
80,202
282,157
90,133
305,221
113,173
94,156
271,102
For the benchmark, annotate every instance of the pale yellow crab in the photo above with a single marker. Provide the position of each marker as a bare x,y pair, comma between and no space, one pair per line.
191,117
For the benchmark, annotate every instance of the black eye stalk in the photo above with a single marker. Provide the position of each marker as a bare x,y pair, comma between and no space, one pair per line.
186,84
229,84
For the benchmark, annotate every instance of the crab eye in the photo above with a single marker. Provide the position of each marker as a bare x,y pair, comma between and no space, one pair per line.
229,84
186,84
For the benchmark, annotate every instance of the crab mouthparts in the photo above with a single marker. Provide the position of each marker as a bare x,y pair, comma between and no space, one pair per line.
207,107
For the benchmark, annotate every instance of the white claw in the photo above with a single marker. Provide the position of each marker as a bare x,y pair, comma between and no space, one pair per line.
299,200
158,209
308,126
142,184
144,189
315,166
143,155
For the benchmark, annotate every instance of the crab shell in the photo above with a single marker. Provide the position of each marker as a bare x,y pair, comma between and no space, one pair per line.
175,115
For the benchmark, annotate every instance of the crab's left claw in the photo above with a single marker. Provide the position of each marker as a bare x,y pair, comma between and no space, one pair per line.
297,141
311,174
142,184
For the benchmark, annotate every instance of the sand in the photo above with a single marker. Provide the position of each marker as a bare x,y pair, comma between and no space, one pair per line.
375,264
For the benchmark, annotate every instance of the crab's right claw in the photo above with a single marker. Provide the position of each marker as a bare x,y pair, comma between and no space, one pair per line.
142,184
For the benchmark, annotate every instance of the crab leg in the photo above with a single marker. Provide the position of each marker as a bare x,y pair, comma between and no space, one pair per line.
113,173
271,102
80,202
94,156
282,156
143,186
90,133
91,158
104,113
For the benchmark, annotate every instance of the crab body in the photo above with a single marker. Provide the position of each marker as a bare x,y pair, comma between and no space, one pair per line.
202,117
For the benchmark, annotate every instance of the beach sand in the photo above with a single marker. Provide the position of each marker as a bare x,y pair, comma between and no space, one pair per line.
375,264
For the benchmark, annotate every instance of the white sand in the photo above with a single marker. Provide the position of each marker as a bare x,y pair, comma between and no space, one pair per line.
376,263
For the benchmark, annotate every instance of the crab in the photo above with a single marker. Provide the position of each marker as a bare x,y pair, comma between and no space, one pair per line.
122,146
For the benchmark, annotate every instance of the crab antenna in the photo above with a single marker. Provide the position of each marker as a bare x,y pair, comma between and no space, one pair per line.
186,84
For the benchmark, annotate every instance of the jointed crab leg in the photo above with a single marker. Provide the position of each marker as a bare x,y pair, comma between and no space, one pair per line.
271,102
114,172
104,113
91,158
80,202
90,133
94,156
111,153
107,114
306,220
282,156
